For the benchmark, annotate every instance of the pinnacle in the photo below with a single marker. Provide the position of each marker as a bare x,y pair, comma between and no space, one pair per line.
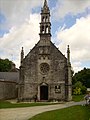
45,2
68,49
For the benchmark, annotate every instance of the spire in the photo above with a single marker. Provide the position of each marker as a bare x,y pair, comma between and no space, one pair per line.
45,24
45,8
45,3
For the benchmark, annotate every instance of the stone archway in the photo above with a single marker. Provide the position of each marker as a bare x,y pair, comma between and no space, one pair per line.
43,92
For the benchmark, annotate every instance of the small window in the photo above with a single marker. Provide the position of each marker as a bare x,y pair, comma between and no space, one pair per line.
47,30
46,19
42,29
57,89
43,19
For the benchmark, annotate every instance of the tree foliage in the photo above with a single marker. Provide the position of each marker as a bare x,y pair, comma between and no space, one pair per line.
5,65
81,81
79,89
83,76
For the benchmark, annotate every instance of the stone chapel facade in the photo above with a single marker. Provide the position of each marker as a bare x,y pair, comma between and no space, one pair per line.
45,71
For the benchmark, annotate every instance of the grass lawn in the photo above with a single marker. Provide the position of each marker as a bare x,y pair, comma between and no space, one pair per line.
6,104
71,113
78,98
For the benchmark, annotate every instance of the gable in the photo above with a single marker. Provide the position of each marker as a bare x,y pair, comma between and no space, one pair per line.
44,48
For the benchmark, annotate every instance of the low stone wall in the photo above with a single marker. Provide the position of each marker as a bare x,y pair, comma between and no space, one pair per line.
8,90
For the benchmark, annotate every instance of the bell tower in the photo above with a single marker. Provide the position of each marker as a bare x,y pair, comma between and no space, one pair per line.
45,25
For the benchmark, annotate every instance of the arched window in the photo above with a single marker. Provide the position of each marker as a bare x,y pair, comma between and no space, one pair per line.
46,29
43,19
49,29
42,29
46,19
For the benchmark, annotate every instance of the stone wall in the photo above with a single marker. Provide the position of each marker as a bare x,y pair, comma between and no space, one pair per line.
8,90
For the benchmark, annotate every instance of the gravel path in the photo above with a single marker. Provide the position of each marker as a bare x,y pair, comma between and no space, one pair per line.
28,112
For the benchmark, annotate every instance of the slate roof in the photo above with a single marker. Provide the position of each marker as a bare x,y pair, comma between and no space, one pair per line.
9,76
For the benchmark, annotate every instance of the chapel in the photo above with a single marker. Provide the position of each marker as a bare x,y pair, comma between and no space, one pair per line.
45,72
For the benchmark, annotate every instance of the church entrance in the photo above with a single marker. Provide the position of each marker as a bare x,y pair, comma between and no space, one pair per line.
43,92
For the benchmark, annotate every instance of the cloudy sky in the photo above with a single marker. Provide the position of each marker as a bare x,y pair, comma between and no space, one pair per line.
70,19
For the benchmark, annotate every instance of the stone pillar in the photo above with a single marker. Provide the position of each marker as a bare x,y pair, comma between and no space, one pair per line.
21,78
38,95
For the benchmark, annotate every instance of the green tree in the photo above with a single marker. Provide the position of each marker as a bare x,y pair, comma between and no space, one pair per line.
83,76
5,65
78,88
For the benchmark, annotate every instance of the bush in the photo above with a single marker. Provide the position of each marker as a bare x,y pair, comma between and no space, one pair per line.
79,89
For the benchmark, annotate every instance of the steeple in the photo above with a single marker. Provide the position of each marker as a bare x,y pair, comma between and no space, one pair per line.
45,5
45,24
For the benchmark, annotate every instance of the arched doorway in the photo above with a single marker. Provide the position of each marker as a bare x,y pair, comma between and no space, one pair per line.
43,92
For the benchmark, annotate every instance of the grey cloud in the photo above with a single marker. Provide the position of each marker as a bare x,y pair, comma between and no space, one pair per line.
17,11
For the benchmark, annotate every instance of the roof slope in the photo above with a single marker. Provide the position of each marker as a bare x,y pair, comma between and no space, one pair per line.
9,76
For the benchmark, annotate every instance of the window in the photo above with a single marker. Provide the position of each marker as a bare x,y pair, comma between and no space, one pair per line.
43,19
46,19
46,29
44,67
57,89
42,29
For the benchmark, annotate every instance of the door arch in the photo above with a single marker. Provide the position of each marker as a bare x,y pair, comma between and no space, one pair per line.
43,92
